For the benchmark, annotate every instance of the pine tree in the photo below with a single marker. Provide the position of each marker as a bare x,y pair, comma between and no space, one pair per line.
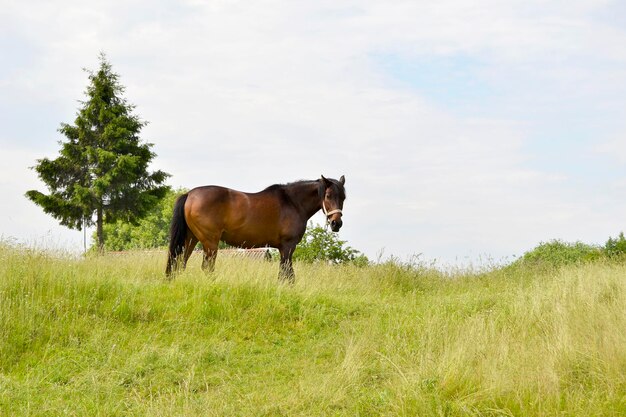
101,174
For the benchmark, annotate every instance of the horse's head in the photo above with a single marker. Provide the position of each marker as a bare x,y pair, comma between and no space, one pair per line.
332,201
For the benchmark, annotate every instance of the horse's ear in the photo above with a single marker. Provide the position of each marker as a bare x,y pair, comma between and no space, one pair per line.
326,182
342,180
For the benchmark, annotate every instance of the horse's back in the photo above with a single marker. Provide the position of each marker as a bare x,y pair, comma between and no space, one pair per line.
210,194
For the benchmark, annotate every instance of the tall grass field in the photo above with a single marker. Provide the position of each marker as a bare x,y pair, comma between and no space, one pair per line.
109,336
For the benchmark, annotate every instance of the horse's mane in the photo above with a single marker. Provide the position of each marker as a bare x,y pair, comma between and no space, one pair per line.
292,185
274,187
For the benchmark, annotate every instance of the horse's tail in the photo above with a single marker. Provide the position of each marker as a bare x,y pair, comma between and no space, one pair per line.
178,234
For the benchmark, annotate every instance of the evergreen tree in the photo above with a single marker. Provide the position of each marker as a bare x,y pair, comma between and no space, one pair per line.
101,174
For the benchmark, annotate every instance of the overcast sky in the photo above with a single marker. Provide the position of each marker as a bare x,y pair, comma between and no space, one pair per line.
465,130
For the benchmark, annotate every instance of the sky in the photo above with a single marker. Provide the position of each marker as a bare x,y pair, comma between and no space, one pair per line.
467,131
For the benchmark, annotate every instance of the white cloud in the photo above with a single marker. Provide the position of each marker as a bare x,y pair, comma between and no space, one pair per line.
614,148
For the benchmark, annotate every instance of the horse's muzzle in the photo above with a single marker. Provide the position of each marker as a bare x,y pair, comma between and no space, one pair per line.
335,225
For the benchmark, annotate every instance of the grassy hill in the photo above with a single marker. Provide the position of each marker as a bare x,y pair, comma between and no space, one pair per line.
110,337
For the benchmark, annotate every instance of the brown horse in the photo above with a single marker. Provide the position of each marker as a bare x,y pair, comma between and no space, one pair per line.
275,217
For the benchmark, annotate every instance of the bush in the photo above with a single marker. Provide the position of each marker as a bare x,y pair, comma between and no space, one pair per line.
150,232
319,244
616,248
557,253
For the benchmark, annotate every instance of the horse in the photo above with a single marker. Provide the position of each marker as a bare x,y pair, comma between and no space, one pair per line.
275,217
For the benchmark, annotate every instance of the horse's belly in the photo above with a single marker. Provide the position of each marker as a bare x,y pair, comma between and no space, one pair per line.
249,238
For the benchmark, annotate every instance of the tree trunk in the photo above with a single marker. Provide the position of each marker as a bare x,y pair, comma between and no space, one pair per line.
99,232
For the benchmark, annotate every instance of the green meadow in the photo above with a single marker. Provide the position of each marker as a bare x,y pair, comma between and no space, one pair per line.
109,336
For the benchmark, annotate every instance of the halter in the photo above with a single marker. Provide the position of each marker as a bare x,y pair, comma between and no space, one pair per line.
329,213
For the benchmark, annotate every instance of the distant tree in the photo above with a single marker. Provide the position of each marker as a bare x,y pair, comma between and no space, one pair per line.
101,174
152,231
616,247
320,244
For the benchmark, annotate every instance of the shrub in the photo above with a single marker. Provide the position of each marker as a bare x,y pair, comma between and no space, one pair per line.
558,253
319,244
152,231
615,248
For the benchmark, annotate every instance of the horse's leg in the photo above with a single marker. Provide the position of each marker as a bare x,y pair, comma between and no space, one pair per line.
210,253
190,244
285,271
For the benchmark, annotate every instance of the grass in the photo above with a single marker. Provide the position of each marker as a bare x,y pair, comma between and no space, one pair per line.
109,336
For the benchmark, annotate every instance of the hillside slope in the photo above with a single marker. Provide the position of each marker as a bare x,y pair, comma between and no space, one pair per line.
109,336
